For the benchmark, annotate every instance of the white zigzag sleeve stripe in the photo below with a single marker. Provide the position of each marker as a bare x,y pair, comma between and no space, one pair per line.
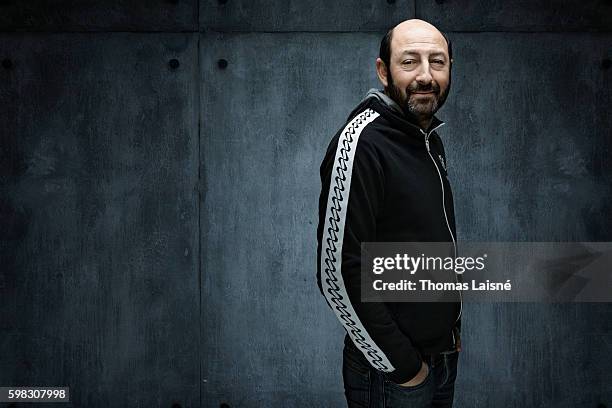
333,235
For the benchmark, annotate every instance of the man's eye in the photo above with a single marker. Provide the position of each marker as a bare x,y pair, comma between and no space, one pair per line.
408,62
438,61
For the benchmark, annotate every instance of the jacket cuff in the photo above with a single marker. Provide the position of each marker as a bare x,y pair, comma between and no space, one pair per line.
406,371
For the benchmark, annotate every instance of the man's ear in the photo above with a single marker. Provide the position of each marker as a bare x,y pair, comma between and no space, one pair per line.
381,71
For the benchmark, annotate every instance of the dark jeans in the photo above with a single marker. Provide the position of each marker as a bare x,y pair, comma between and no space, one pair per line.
366,387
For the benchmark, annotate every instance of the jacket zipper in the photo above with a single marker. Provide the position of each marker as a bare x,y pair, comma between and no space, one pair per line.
445,216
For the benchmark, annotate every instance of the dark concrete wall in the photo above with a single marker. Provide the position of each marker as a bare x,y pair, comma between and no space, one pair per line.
99,209
159,182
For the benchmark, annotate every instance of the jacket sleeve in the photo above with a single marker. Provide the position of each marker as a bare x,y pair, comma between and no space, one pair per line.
352,194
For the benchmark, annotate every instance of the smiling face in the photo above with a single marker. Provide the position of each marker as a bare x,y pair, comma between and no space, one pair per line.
418,76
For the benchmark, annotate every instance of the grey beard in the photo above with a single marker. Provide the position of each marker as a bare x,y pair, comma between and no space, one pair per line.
421,109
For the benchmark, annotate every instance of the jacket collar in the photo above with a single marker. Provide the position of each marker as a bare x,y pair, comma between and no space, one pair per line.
394,109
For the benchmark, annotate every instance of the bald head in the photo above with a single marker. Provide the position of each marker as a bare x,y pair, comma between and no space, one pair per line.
417,27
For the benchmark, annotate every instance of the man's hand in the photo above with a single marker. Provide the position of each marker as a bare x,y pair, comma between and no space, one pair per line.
419,378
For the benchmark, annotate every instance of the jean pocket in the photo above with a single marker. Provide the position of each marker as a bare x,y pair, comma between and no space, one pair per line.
409,388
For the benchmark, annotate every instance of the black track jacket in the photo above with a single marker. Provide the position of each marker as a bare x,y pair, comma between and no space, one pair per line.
384,179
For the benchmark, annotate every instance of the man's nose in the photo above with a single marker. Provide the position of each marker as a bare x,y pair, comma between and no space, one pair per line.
424,75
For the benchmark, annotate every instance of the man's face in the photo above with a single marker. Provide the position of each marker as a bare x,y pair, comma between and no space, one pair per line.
418,77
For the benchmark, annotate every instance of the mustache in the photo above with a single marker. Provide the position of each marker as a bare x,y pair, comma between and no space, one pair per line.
416,87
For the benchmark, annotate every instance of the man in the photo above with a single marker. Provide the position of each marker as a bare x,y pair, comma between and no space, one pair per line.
384,179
